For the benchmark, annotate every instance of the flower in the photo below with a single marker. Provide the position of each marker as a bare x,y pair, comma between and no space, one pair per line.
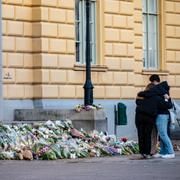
79,107
124,139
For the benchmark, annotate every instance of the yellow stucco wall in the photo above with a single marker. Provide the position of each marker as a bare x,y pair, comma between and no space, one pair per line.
39,49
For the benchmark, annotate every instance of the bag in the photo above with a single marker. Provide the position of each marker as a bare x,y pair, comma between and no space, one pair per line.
176,107
173,116
173,112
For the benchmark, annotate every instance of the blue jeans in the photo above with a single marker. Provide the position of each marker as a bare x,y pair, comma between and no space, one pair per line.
166,146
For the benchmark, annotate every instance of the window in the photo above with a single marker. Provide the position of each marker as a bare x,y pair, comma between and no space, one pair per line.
150,34
80,22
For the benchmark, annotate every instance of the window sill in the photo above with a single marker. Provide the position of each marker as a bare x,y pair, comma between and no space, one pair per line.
150,72
96,68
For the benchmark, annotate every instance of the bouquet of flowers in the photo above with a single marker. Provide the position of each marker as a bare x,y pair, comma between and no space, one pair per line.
80,107
58,140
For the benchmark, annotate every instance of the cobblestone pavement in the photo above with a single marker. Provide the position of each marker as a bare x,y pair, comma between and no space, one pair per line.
109,168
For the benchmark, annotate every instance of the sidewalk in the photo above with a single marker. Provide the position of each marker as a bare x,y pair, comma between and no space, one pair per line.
108,168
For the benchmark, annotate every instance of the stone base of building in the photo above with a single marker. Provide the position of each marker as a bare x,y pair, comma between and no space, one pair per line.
88,120
128,130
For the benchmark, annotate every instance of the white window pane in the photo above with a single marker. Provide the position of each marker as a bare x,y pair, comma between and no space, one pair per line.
152,23
77,10
152,43
144,23
151,58
150,35
77,31
80,15
144,40
77,52
144,5
156,59
154,37
82,31
151,49
145,57
77,25
155,65
152,6
156,42
93,31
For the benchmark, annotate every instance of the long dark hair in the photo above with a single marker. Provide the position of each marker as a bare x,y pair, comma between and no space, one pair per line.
149,86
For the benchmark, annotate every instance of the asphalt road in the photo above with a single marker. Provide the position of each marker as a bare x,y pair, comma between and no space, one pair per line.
111,168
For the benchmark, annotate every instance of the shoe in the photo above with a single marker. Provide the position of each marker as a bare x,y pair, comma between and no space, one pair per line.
168,156
143,156
148,157
157,155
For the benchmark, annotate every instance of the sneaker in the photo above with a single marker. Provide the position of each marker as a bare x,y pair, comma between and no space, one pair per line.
157,155
168,156
148,157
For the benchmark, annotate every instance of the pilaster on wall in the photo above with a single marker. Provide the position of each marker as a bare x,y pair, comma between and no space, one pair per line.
138,67
17,49
38,47
1,68
119,47
172,40
54,48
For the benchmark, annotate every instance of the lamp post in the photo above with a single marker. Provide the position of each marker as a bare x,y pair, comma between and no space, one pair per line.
88,86
1,68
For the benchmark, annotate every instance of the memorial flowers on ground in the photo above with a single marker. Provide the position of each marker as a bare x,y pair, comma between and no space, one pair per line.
58,140
80,107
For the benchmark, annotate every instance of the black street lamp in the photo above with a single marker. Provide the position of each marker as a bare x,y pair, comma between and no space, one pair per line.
88,86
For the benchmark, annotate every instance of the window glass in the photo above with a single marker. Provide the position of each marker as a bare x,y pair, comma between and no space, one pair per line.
150,34
152,6
144,6
80,15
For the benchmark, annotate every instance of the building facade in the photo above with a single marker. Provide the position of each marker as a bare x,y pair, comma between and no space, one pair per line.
43,52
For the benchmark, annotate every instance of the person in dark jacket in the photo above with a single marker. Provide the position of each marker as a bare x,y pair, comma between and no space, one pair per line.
148,104
162,119
145,120
155,80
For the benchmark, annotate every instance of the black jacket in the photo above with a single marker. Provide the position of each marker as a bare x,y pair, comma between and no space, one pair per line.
160,89
151,102
146,110
156,102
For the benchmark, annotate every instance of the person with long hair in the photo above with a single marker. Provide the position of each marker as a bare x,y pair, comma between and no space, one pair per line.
161,91
155,80
145,121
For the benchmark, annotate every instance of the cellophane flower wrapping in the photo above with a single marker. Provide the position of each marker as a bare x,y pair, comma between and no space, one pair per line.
59,140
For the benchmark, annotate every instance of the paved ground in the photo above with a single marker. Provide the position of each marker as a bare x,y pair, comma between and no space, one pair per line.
111,168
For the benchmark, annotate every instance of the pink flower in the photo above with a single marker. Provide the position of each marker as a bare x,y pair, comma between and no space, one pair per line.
88,107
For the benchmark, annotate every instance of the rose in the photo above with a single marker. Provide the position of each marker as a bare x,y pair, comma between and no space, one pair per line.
124,139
